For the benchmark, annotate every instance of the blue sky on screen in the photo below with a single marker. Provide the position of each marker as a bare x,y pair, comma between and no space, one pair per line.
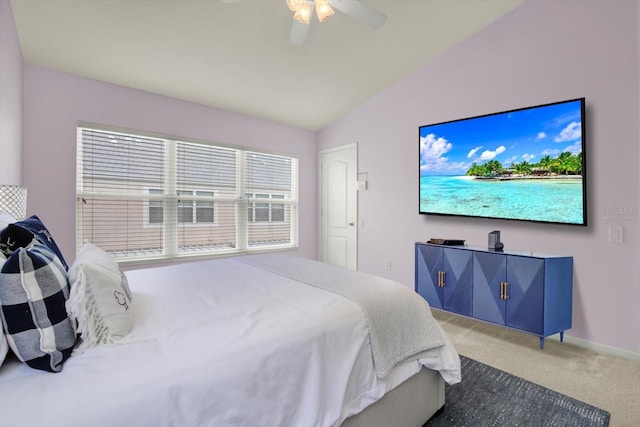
511,137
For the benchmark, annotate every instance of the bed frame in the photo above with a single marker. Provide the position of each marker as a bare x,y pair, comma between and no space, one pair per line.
412,403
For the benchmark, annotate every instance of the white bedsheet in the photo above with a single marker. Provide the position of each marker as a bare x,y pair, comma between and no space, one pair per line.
216,343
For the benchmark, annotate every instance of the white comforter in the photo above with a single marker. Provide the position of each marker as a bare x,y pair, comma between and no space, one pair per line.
216,343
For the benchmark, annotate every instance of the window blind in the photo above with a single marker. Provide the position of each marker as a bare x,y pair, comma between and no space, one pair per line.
141,197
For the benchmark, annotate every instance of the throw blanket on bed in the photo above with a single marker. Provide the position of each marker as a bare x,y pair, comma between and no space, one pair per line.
399,320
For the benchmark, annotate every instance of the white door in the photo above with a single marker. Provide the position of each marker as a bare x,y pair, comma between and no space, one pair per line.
339,206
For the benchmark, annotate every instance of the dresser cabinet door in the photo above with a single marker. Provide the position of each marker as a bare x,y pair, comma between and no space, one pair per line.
525,305
458,278
489,271
429,264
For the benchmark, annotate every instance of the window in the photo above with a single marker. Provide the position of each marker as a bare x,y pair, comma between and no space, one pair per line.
204,209
265,212
189,211
143,197
156,208
277,209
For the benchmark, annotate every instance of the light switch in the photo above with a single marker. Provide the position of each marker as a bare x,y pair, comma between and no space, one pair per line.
615,234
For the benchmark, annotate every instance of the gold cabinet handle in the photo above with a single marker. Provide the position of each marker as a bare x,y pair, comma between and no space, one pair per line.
503,291
441,282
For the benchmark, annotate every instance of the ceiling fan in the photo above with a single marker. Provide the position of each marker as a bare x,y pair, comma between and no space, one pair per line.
304,10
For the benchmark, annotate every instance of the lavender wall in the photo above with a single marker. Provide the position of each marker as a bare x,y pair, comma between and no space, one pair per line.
10,99
543,51
54,102
638,68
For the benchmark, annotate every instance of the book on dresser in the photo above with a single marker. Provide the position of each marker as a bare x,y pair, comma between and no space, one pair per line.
447,242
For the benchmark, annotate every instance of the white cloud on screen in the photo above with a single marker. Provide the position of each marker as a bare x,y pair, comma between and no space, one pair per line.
432,151
490,155
571,132
473,152
574,148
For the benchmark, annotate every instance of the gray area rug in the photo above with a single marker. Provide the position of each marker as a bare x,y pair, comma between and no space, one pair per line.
490,397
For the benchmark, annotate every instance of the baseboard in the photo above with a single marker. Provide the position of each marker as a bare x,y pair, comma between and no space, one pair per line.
579,342
594,346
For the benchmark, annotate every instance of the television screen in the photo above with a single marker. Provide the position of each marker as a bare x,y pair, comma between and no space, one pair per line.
525,164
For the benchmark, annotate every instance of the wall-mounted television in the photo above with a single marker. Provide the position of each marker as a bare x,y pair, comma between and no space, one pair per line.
524,164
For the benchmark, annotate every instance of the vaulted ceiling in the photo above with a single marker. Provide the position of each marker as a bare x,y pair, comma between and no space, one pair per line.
237,56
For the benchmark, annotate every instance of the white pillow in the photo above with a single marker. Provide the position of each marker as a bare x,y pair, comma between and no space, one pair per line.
100,299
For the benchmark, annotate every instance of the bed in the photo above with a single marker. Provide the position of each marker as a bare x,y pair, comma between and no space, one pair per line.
257,340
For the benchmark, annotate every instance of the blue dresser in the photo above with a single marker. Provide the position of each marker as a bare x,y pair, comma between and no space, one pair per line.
527,292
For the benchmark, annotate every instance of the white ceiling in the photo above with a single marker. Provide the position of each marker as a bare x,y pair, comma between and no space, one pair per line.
237,56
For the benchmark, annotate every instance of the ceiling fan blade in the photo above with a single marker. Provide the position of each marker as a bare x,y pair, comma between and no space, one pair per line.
299,32
360,11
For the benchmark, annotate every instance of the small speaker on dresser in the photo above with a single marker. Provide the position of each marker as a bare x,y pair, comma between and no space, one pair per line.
494,237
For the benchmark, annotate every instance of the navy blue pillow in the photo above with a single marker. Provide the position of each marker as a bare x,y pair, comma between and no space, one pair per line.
33,292
20,234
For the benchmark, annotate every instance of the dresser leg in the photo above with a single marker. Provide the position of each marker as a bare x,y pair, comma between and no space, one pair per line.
562,336
541,343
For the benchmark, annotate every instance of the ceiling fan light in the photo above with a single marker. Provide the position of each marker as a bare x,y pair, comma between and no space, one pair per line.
303,12
323,10
293,5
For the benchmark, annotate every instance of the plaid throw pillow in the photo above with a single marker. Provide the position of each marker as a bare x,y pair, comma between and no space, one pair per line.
33,292
20,234
4,347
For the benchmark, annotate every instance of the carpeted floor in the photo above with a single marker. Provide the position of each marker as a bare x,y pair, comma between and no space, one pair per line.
490,397
601,379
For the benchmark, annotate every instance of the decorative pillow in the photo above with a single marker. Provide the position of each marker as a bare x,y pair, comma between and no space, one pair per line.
100,298
4,347
33,292
20,234
5,219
